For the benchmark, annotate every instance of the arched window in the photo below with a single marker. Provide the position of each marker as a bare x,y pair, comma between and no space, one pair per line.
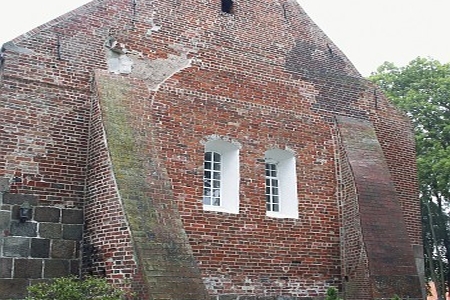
221,177
281,184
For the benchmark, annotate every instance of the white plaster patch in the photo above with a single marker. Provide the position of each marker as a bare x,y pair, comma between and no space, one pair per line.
10,46
119,63
216,137
156,72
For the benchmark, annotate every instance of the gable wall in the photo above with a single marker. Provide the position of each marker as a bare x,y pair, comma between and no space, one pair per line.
206,74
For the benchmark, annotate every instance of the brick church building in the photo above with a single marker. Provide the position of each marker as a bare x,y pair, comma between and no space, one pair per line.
203,149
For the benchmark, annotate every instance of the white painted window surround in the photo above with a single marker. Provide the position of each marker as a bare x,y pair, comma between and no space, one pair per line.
228,193
287,183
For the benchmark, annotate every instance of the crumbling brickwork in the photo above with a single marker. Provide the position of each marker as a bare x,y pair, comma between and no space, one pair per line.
109,108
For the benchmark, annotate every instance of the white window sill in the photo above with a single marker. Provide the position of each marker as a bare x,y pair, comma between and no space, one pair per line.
219,209
278,215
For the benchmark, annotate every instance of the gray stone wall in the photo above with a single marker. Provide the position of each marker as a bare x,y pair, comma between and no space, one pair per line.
45,246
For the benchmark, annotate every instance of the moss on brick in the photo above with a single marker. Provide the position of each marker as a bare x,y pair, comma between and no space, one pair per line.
162,248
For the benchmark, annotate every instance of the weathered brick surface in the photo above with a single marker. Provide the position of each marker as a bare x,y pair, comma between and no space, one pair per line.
40,248
6,267
18,199
50,230
5,220
16,247
355,265
164,252
83,128
54,268
33,251
108,248
47,214
63,249
23,229
13,288
72,216
28,268
382,242
72,232
4,185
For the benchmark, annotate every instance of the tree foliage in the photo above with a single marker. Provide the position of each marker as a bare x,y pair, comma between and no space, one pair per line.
72,288
332,294
422,90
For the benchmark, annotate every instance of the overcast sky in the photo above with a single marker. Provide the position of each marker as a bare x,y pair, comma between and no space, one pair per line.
368,31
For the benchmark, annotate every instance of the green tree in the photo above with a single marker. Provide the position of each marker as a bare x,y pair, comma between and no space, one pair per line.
422,90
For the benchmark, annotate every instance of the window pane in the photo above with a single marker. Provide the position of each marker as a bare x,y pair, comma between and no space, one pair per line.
272,192
216,157
276,207
208,156
211,178
275,199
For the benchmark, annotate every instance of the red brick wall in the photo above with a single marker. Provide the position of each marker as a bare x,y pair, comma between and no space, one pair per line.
383,242
108,248
355,265
45,103
397,141
265,76
133,199
42,126
250,253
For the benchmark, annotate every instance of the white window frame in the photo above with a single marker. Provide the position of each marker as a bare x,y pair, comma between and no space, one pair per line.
272,186
287,183
229,176
212,178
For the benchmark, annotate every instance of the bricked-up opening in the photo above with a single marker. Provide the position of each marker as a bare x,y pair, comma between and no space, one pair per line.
227,6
